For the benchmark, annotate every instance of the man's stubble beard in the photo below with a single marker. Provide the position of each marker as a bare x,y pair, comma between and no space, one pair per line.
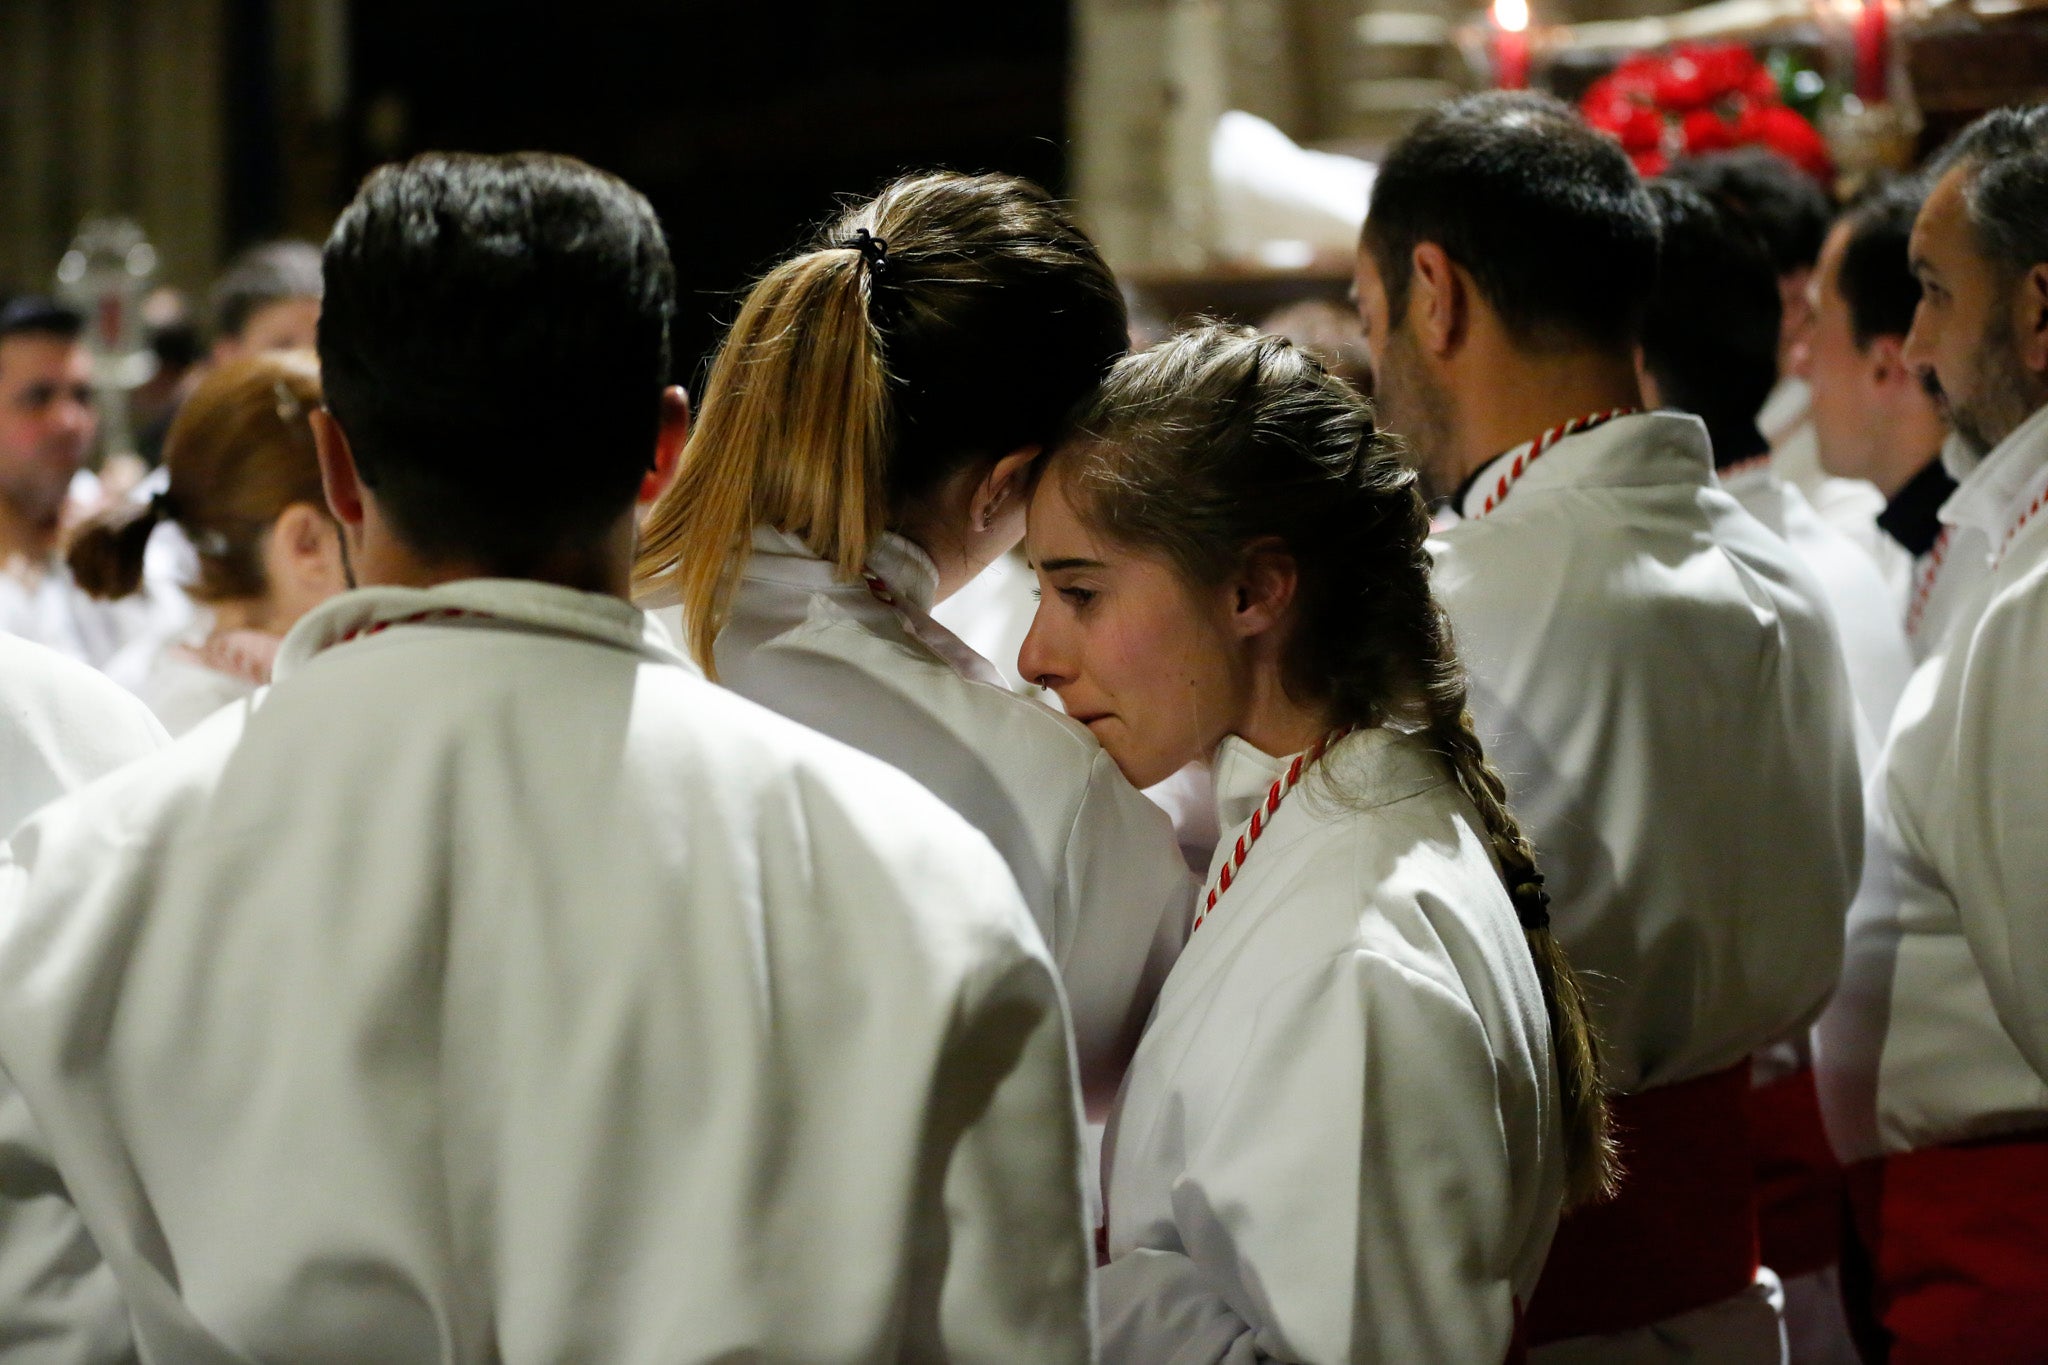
2006,394
1416,410
35,497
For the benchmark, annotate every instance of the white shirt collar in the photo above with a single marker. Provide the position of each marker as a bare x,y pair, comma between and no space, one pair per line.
1990,497
486,603
908,570
1243,774
1642,448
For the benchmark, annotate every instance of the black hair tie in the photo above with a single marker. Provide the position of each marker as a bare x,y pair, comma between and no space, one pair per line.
874,251
1532,903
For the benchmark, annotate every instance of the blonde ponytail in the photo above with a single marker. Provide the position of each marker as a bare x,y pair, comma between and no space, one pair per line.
948,321
793,432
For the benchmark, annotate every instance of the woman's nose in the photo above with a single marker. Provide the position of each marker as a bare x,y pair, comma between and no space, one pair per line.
1039,660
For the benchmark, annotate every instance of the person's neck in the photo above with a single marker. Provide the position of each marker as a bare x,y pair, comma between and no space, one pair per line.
1516,396
1274,722
380,559
1905,446
244,613
23,539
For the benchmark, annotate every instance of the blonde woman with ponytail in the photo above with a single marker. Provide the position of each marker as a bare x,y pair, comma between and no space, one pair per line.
1369,1088
245,489
862,451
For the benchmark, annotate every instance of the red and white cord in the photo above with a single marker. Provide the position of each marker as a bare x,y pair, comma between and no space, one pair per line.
1524,459
2027,515
1262,816
1923,585
417,618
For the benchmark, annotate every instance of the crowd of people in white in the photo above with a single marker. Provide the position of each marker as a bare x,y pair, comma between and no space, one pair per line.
596,907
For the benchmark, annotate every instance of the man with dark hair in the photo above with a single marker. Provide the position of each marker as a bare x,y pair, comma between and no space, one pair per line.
1710,348
493,987
268,299
1791,211
47,424
1654,672
1933,1058
1873,416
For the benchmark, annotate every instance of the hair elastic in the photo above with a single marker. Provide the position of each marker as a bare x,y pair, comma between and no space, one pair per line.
874,251
1532,903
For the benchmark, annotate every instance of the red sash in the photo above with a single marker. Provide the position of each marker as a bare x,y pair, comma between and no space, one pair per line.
1682,1232
1798,1181
1955,1245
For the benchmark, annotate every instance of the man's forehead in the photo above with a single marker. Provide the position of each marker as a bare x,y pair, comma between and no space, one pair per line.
1940,217
42,352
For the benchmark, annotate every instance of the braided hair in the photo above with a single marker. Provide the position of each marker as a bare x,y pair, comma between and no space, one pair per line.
1220,438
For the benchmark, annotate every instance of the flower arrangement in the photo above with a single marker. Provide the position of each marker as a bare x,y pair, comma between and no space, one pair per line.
1700,97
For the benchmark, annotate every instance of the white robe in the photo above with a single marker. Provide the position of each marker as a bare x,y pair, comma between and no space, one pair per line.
1866,612
496,989
1939,1033
1657,678
61,726
1340,1140
47,606
1097,862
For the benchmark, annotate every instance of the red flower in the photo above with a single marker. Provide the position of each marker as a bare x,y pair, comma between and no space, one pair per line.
1786,133
1705,130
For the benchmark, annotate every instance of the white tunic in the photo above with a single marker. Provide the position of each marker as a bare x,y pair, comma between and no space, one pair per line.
1656,675
1340,1139
61,726
44,604
1866,612
1097,862
1940,1030
495,989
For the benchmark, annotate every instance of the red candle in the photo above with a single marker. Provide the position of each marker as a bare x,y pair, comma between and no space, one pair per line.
1873,53
1511,44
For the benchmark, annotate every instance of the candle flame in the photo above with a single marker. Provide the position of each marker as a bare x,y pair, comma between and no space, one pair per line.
1511,15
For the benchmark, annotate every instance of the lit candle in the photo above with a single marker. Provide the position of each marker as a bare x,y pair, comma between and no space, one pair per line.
1511,44
1873,56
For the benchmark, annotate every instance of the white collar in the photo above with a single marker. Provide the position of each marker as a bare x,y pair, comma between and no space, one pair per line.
1991,497
477,603
785,557
1644,448
1242,773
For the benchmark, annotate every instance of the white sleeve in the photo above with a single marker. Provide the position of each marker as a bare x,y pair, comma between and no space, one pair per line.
1997,855
1015,1245
1123,907
1350,1201
59,1304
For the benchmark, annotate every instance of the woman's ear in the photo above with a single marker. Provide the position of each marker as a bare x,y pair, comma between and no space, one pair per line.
1004,487
1264,588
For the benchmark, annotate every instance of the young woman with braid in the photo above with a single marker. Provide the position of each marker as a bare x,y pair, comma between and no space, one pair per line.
861,453
1369,1088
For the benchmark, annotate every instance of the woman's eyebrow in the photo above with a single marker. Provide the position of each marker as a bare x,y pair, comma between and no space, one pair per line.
1055,565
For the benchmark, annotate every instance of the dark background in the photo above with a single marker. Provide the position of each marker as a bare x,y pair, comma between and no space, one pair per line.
743,122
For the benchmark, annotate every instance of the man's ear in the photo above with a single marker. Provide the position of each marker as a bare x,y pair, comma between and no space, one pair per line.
338,476
669,439
1004,485
2031,320
1884,364
1439,299
1264,588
